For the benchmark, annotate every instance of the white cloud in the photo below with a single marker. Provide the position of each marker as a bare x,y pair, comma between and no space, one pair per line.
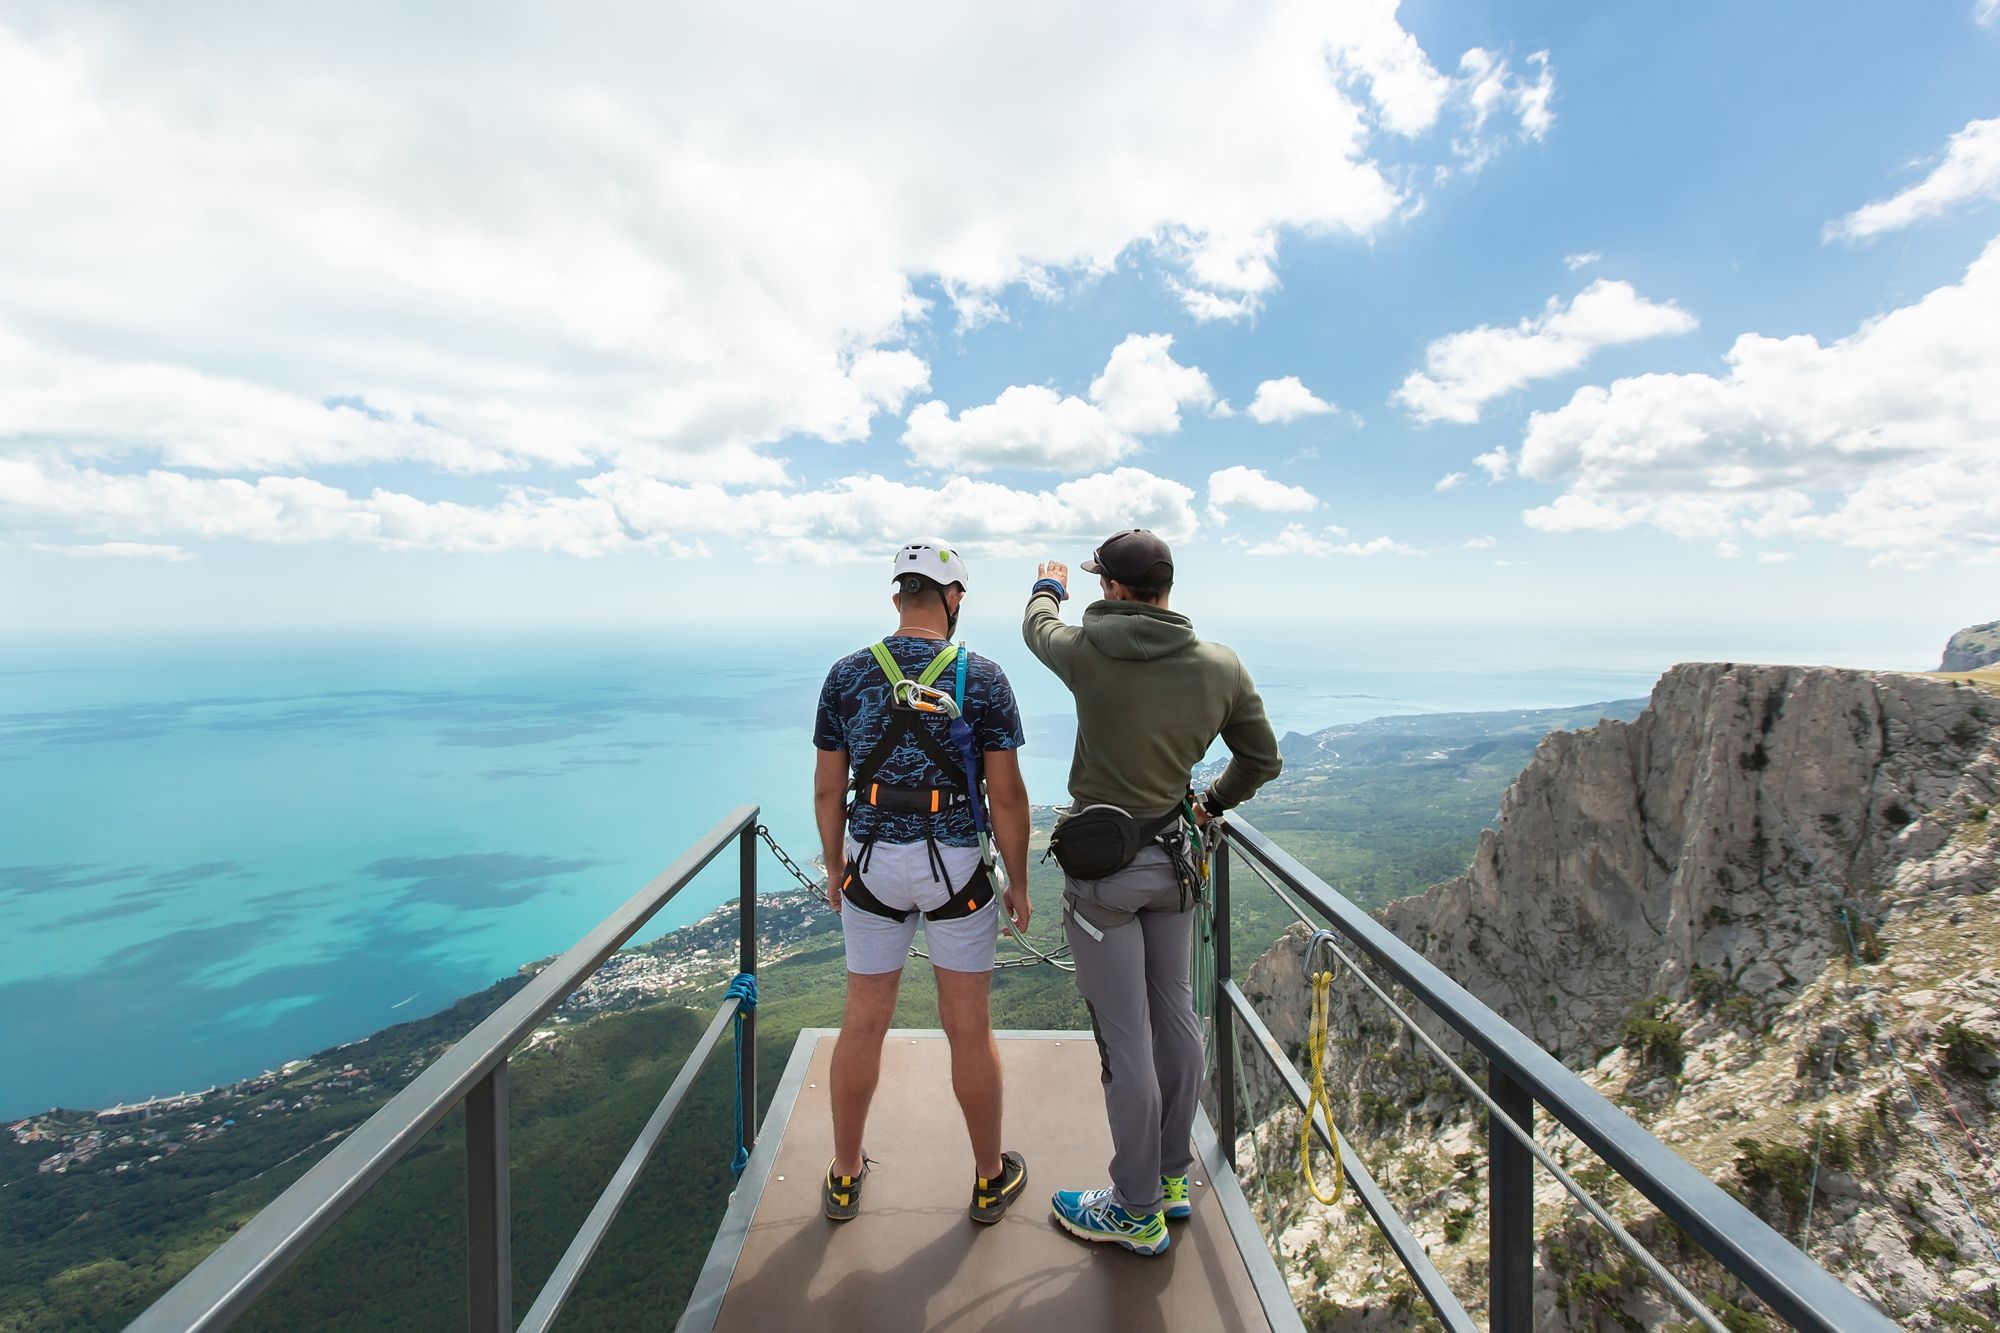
1773,557
1297,539
1463,371
1887,440
1027,426
1496,463
860,515
1582,259
1143,389
613,511
674,239
249,255
1286,399
114,551
1242,487
1450,481
1480,543
1488,86
1969,171
1985,12
1140,392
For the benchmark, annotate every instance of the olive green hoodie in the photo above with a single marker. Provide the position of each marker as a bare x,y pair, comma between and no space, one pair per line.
1151,697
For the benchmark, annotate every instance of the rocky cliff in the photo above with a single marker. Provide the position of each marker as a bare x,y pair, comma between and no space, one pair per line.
1972,648
1661,904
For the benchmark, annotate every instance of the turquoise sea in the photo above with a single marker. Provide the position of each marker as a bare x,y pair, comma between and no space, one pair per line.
217,853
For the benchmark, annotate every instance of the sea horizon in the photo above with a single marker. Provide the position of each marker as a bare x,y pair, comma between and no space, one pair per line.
228,850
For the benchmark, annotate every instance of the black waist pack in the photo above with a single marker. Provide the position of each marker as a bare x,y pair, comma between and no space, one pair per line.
1098,841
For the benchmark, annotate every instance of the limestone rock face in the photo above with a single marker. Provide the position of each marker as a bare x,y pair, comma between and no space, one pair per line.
1694,865
1972,648
1721,830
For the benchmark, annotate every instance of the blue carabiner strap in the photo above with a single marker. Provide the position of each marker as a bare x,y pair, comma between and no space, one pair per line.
743,989
968,754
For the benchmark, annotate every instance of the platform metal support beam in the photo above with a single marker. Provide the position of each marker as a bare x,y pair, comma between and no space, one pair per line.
489,1260
746,1035
1225,1013
1511,1194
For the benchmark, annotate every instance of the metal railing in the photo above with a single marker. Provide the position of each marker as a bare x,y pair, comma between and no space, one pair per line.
1520,1077
474,1072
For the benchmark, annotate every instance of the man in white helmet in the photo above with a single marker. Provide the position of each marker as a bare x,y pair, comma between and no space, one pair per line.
920,734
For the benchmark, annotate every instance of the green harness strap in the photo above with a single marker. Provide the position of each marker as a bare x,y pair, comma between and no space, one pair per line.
932,669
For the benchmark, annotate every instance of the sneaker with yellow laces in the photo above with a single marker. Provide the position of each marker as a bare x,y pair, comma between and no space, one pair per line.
1174,1190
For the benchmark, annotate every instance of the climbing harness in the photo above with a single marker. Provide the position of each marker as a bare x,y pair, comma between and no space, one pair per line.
815,889
743,989
1322,1003
916,700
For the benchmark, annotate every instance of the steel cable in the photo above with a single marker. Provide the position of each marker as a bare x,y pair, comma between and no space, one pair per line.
1644,1257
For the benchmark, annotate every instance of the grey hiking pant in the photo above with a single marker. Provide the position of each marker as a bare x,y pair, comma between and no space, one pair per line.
1130,935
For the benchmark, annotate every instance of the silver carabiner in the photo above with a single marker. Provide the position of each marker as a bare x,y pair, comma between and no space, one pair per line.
924,698
1321,939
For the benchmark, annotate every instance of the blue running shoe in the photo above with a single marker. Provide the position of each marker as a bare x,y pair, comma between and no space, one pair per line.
1092,1215
1175,1190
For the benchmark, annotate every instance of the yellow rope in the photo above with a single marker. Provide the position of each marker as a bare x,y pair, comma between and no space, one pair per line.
1316,1051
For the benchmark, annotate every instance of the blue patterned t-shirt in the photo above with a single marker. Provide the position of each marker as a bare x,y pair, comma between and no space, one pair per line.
854,711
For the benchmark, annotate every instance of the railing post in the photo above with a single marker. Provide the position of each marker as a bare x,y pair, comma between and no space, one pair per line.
1511,1196
746,1033
489,1260
1224,1011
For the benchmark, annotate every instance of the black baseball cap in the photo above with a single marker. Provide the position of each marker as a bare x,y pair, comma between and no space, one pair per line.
1134,557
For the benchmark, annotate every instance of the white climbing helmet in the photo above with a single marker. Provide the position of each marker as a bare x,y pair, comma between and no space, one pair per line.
934,561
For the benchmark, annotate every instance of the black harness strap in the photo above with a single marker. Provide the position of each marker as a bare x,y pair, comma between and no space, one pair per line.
906,722
968,898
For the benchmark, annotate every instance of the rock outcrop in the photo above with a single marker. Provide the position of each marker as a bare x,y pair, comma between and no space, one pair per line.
1972,648
1720,830
1661,905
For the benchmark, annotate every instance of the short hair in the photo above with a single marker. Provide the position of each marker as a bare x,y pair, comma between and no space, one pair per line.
917,586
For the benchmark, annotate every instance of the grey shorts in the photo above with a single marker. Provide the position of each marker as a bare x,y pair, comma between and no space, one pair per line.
902,876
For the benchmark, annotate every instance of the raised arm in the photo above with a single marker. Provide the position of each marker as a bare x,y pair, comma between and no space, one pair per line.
1051,641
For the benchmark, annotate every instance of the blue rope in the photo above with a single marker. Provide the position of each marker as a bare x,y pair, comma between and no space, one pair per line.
743,989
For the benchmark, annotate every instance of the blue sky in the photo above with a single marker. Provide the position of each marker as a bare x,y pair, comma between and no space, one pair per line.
417,320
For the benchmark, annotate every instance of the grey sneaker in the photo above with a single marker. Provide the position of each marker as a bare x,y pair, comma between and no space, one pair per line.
990,1198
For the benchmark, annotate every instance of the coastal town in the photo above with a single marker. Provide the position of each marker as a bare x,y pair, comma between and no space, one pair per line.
133,1136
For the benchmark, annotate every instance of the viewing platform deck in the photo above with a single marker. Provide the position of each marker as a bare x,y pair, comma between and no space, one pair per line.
912,1260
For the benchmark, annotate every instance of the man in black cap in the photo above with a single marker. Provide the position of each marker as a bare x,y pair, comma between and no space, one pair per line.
1151,697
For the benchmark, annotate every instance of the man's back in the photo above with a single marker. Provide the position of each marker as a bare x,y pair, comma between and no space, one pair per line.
1151,697
855,708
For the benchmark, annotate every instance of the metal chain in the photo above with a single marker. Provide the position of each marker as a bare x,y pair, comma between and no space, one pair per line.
816,891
